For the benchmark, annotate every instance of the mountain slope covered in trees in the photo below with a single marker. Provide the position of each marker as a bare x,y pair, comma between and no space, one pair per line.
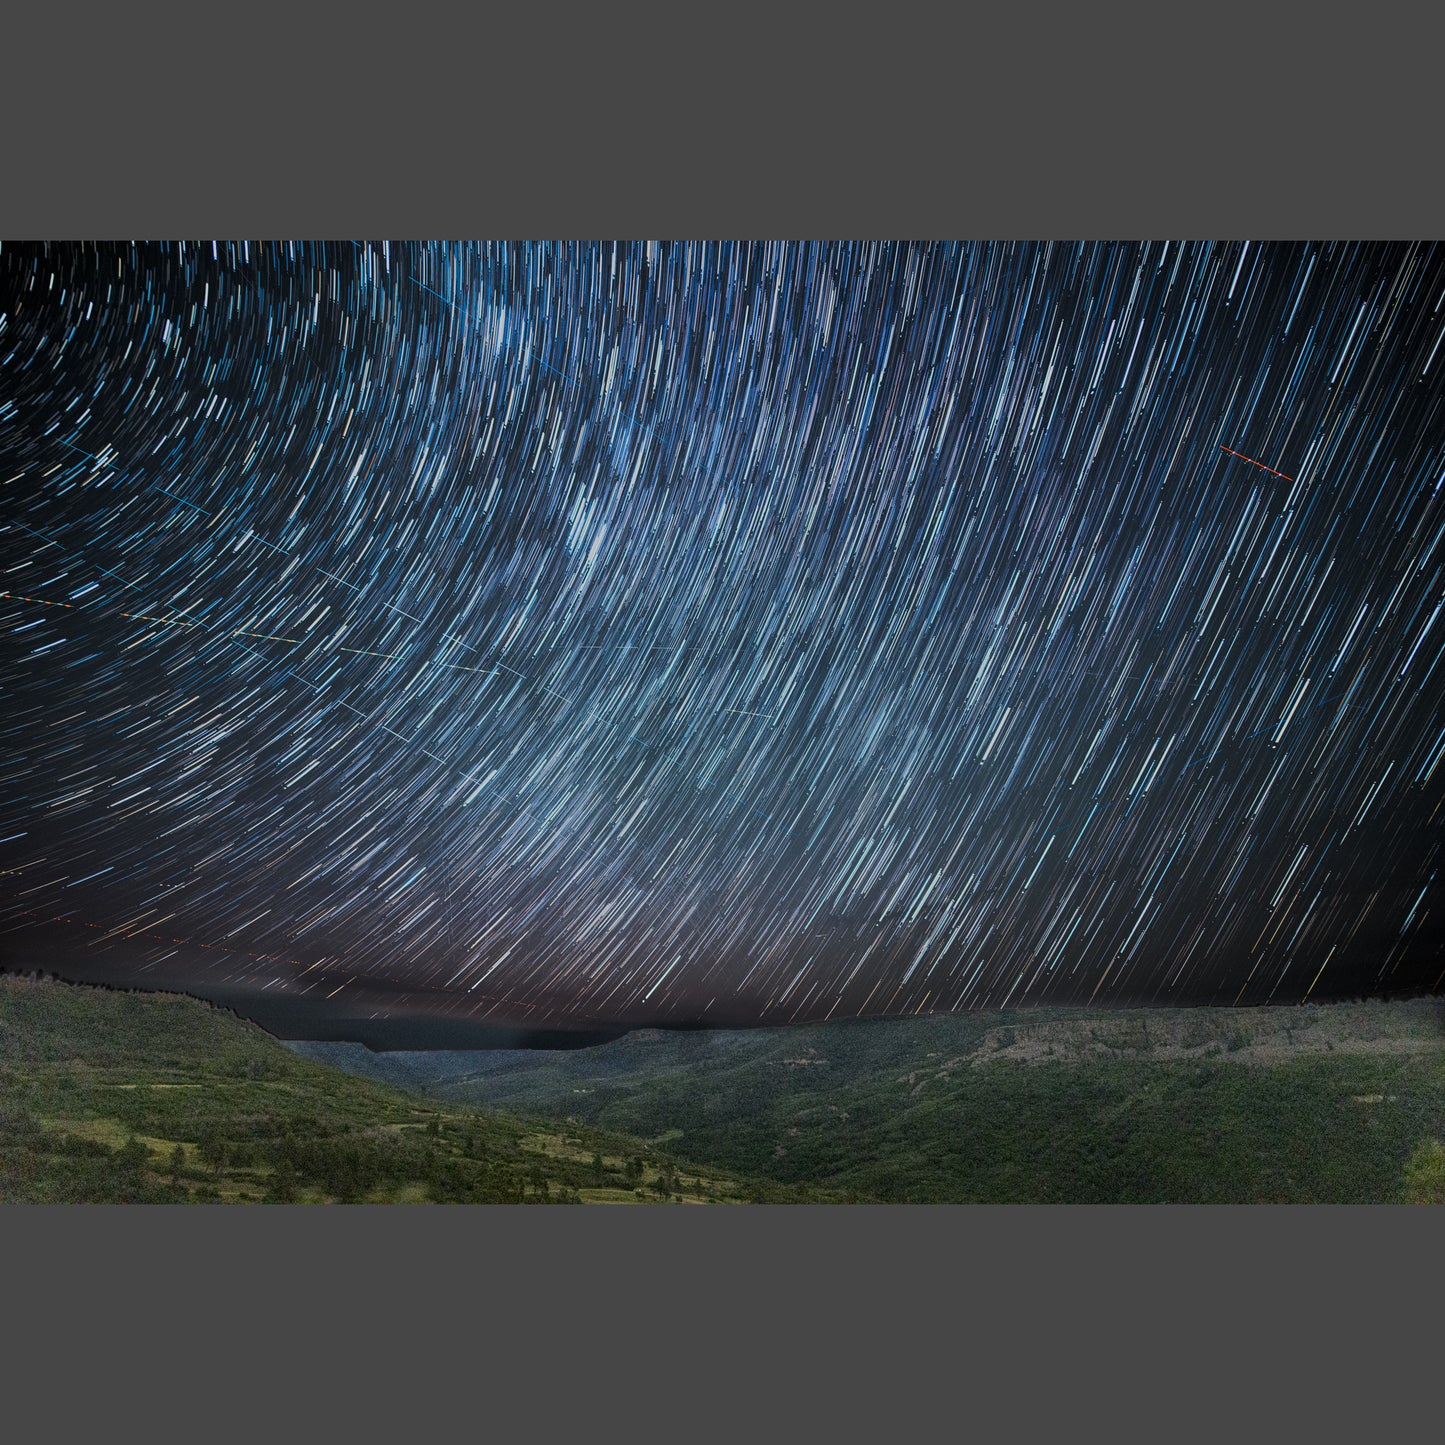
109,1096
1336,1103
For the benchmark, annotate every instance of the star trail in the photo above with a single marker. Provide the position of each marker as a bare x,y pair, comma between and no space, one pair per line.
599,634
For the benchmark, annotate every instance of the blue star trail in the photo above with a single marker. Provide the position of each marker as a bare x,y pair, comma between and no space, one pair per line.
589,634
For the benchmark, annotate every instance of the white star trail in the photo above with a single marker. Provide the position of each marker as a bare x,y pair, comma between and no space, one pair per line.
739,632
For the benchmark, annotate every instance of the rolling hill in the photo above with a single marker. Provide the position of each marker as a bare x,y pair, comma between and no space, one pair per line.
1314,1104
119,1097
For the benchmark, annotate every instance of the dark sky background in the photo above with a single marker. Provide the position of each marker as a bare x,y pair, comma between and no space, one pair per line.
578,635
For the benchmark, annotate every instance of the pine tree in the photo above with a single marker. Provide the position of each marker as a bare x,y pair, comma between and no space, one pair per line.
214,1151
282,1189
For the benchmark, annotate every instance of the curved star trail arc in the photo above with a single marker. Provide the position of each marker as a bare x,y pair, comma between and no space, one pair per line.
732,633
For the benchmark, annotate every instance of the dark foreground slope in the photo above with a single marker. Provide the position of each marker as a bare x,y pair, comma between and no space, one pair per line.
113,1097
1322,1104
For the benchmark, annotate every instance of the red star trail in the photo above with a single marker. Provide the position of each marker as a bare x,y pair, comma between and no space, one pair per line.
1252,462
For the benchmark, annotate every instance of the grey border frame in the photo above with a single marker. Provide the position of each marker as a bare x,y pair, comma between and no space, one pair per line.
1267,121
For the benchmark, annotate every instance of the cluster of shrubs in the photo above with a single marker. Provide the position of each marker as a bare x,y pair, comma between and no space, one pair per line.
350,1167
285,1165
40,1163
55,1166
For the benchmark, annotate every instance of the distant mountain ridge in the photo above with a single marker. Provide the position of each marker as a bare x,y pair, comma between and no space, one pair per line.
1252,1035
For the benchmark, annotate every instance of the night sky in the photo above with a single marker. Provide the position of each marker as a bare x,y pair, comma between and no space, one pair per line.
648,633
